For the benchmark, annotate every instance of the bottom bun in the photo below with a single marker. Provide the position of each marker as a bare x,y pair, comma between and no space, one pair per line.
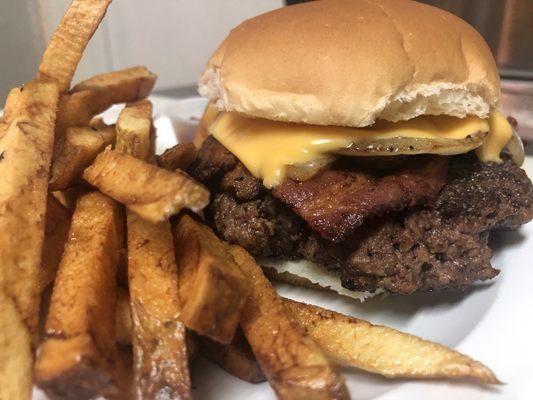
308,274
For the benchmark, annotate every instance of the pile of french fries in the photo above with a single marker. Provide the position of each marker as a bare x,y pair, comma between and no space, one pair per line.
134,285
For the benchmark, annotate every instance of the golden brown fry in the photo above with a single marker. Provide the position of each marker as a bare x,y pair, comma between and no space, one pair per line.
56,232
122,86
134,130
87,267
95,95
98,123
212,287
74,368
381,349
181,156
202,131
153,193
69,197
293,363
79,358
68,42
370,347
160,353
15,353
80,148
124,325
236,358
159,343
26,150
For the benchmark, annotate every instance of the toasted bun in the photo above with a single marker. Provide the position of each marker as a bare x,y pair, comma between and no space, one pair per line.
350,62
308,274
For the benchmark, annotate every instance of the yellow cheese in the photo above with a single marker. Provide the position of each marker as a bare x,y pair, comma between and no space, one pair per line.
202,131
267,147
499,135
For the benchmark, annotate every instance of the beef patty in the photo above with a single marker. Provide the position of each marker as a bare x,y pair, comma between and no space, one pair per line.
441,244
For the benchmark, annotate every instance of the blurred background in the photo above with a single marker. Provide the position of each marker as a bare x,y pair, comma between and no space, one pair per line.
175,38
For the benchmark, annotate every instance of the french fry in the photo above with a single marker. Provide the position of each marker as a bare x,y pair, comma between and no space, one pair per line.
212,287
26,150
95,95
124,324
79,357
381,349
15,353
208,117
98,123
293,363
123,86
55,236
374,348
68,42
70,196
80,148
134,130
236,358
159,342
181,156
153,193
74,368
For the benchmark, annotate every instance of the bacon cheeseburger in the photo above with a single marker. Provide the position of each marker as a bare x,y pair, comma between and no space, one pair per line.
357,145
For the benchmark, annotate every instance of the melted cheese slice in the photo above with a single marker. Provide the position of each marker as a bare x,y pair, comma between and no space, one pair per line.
500,133
267,147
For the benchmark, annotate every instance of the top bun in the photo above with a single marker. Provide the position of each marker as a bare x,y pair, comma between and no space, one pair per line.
350,62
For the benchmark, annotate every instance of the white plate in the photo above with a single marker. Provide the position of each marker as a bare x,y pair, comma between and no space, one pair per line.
491,323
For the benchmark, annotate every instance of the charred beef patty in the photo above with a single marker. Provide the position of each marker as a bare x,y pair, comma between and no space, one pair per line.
438,245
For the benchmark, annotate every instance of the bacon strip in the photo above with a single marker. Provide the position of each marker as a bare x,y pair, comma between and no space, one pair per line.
336,202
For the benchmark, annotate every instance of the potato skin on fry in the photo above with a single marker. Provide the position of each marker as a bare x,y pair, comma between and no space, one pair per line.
16,357
211,286
235,358
26,150
181,156
74,369
159,344
80,147
124,86
95,95
124,324
381,349
88,268
80,326
160,361
56,232
293,363
151,192
68,42
134,130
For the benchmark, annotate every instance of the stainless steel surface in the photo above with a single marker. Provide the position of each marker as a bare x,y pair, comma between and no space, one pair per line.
506,25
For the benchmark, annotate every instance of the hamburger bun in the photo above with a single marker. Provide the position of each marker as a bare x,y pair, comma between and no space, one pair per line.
350,62
311,275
